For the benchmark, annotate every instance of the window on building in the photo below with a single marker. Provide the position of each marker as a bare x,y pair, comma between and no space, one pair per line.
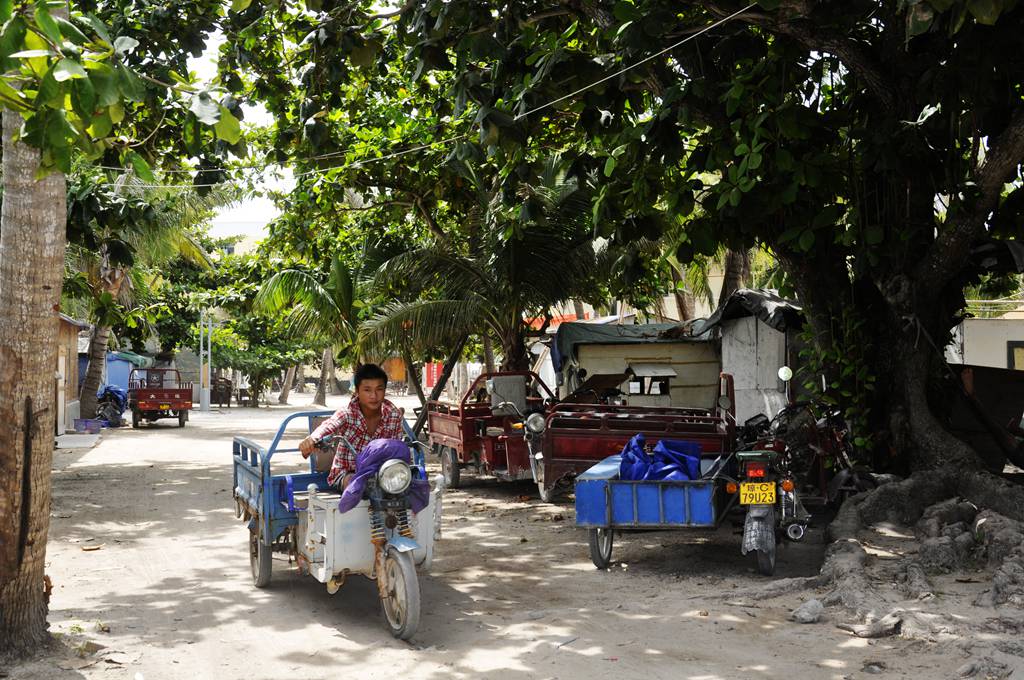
1015,355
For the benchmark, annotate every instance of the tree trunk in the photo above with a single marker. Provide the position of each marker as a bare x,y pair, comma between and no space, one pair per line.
912,422
413,372
461,380
685,303
516,357
286,386
488,353
94,373
577,308
893,333
320,399
737,273
32,229
332,380
299,385
446,372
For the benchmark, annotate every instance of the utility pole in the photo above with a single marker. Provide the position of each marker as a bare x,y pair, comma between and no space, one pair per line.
205,338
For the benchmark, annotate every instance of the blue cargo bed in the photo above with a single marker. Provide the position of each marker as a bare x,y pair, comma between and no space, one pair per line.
603,501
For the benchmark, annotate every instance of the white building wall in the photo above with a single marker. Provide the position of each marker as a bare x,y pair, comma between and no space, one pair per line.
696,365
986,342
752,352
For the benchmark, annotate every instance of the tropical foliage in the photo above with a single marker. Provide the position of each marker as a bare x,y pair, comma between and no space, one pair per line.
832,133
513,265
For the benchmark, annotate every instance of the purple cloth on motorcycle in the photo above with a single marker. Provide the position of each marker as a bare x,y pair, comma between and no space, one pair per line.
368,462
671,460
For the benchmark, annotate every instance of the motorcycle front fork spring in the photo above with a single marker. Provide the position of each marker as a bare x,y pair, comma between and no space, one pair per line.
377,534
403,524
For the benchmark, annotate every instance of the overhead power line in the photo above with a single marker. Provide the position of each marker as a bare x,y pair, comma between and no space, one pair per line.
449,140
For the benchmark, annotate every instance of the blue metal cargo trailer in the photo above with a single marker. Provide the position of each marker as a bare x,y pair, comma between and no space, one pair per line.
605,503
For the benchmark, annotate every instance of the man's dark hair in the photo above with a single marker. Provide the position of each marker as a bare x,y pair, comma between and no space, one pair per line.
369,372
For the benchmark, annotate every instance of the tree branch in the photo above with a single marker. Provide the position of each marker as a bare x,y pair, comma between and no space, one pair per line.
398,12
380,204
853,55
1003,157
431,223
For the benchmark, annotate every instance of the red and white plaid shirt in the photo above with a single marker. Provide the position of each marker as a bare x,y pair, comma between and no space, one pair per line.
349,425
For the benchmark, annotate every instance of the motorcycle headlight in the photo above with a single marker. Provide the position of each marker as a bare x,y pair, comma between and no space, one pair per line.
535,423
394,477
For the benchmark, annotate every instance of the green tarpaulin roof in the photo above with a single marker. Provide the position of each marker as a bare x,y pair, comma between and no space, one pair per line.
136,359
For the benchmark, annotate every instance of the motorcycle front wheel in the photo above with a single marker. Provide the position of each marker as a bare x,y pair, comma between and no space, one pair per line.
401,605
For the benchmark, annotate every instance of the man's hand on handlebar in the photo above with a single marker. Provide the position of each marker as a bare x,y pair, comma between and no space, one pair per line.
306,446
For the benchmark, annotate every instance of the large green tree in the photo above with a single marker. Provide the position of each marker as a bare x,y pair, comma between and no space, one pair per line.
513,265
103,82
870,145
319,312
120,227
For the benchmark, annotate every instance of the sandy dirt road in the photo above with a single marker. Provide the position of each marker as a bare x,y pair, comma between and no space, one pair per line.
512,593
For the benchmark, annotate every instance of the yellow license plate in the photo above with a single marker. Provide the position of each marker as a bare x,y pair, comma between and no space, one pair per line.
165,407
760,493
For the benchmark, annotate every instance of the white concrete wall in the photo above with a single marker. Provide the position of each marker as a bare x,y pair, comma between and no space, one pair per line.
543,367
697,366
752,352
72,412
984,342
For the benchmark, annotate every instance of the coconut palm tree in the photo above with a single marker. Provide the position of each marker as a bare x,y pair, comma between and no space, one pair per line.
119,229
325,311
515,266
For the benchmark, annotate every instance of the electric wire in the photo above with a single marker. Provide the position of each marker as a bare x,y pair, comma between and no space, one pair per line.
427,145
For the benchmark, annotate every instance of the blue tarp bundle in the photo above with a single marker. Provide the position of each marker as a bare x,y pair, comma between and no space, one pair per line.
671,460
117,394
369,462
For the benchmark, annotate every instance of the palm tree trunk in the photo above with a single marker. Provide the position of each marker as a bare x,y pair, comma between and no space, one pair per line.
577,307
332,380
737,273
461,380
413,372
685,303
446,372
321,390
94,373
32,225
286,386
514,354
488,353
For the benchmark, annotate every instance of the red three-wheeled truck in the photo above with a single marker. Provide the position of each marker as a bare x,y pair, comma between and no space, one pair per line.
511,426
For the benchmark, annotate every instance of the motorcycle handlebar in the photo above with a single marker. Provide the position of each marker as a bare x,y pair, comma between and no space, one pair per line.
515,408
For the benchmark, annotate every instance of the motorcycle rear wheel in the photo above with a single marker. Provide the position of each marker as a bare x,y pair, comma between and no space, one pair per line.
450,467
260,560
401,606
766,561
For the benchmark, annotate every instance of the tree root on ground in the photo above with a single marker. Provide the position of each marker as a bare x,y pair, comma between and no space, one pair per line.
962,518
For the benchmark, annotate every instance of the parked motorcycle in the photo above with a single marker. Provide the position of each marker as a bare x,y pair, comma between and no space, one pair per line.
816,439
769,487
532,424
111,403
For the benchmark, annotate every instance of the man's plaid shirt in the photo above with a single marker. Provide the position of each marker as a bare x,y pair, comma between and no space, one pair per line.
349,425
